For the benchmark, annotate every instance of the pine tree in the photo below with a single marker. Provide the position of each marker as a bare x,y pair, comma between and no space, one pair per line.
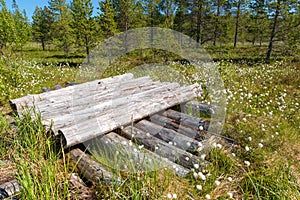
14,28
83,24
107,16
238,4
6,25
42,24
23,31
258,21
154,17
285,24
180,16
129,14
168,8
61,29
280,12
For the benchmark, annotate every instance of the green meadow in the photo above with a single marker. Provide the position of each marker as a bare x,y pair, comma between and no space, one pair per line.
262,118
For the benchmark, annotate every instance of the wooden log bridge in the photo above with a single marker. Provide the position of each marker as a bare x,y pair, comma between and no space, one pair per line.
124,109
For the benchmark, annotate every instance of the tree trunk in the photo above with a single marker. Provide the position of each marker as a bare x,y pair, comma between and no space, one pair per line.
237,23
260,41
217,23
199,21
256,31
273,33
87,49
43,44
126,29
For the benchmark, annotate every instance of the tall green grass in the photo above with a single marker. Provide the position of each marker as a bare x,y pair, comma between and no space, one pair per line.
41,171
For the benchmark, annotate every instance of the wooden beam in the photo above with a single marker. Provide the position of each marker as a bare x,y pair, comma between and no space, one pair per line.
174,125
92,170
162,148
81,100
170,136
142,158
11,187
198,107
108,103
106,121
187,120
64,94
82,112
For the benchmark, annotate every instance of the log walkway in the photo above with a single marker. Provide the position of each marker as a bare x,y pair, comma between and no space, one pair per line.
121,110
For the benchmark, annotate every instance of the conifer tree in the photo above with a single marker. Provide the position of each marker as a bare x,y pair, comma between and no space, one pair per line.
14,27
83,24
168,7
106,19
129,14
61,29
42,24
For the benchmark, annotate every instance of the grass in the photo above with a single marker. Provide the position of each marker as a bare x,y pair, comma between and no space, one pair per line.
262,116
41,171
19,78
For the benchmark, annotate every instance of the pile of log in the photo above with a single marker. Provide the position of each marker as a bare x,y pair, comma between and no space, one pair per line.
123,112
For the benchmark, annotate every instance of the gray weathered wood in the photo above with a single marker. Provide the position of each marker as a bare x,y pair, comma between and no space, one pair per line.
142,158
194,123
81,100
65,94
88,110
198,107
170,136
115,117
108,103
162,148
90,169
174,125
11,187
187,120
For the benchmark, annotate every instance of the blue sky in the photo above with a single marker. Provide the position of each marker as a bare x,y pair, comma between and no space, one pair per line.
29,5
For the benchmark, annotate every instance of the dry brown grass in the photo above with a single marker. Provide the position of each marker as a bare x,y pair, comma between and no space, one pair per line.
7,171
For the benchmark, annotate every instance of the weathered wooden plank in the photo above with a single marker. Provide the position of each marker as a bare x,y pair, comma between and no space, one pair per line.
66,117
162,148
92,170
187,120
81,100
170,136
142,158
110,120
11,187
194,123
180,128
198,107
65,94
107,102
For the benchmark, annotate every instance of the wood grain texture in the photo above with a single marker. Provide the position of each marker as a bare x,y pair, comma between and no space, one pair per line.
174,125
91,169
137,155
84,111
162,148
168,135
187,120
64,94
98,121
11,187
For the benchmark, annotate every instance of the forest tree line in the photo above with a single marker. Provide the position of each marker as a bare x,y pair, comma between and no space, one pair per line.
73,26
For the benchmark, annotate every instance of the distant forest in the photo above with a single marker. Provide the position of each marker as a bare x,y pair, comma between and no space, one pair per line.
70,26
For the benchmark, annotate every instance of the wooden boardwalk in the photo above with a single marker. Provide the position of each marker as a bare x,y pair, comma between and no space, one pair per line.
124,109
